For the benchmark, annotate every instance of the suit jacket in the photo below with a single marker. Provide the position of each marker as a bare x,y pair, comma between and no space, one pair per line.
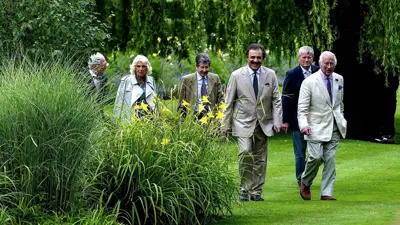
243,110
290,95
188,90
129,92
315,109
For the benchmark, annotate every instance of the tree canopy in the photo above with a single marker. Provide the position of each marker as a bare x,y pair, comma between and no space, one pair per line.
165,26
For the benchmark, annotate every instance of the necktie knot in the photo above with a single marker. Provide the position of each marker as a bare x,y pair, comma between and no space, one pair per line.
307,73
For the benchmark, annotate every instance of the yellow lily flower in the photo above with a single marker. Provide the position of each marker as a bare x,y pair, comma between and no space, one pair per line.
203,120
222,106
220,115
144,106
201,108
136,107
204,99
210,115
164,141
185,103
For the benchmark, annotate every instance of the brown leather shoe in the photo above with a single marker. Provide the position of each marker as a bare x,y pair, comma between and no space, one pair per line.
327,198
305,192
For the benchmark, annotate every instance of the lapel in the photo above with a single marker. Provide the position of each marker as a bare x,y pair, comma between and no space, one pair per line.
149,86
193,88
335,88
299,73
211,81
137,90
322,87
245,77
261,82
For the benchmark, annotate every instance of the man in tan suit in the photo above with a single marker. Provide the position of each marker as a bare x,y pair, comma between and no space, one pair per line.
321,120
202,83
253,110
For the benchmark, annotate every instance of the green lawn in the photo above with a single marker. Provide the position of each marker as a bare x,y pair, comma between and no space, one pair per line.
367,187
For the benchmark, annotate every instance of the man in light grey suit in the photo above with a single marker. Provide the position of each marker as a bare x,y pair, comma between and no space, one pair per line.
321,120
253,110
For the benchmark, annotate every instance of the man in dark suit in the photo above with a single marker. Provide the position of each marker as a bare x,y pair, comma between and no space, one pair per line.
290,98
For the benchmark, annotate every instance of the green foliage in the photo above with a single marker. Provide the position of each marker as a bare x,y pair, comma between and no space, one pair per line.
164,169
380,34
50,26
47,122
179,27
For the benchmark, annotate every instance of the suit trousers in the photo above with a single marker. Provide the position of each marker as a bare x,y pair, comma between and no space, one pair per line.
322,152
253,161
299,147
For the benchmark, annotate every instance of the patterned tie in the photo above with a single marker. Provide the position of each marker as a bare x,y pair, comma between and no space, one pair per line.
203,87
255,83
328,86
203,92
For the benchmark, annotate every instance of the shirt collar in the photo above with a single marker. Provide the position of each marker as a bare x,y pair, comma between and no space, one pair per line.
325,76
251,71
304,70
199,77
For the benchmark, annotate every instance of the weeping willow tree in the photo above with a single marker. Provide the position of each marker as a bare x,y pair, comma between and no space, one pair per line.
364,34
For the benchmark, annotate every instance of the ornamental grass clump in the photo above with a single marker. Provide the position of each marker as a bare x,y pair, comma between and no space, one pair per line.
47,122
165,169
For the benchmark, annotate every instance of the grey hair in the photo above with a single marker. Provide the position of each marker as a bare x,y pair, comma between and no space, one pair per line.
202,58
96,59
327,53
143,59
305,49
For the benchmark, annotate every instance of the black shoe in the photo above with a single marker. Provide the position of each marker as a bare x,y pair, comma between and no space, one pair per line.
244,196
256,198
388,139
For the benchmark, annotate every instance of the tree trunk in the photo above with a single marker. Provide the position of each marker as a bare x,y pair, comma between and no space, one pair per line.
369,104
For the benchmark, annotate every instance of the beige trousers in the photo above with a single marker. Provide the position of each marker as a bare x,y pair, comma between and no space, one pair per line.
252,163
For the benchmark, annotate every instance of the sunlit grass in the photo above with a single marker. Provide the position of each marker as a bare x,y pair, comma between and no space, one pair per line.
367,186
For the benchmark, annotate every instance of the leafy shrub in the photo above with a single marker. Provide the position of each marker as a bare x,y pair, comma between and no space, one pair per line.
47,124
164,169
51,26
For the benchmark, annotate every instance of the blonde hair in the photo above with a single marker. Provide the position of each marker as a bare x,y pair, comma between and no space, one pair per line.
143,59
